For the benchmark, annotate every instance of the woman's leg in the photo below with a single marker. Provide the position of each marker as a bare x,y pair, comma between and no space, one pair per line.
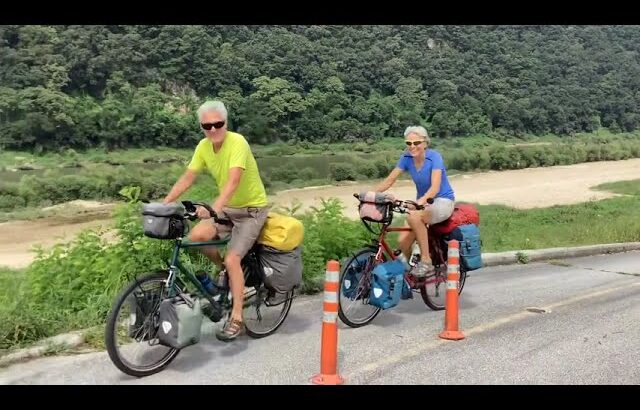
405,240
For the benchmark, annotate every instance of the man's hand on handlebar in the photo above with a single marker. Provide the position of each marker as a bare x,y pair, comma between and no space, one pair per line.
202,212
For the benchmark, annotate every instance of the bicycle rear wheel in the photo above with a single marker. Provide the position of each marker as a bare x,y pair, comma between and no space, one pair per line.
434,289
262,317
355,283
132,327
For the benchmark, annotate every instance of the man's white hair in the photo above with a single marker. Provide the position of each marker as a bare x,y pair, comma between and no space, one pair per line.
419,130
217,106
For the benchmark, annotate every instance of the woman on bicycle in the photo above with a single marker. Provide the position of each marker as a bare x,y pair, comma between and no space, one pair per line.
429,174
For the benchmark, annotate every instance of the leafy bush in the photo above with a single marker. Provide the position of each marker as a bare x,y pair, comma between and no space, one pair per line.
367,169
328,235
343,172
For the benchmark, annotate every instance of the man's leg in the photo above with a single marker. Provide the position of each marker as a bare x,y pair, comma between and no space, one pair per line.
247,225
205,231
236,282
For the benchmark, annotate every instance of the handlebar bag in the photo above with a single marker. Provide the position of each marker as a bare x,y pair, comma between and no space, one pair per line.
163,221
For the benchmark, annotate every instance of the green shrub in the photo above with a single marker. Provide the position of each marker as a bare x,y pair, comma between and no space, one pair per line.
343,172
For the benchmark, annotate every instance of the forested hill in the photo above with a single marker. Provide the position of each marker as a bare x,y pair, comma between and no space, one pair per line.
125,86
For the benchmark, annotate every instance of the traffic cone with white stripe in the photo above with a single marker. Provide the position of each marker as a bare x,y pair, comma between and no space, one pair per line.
451,331
329,348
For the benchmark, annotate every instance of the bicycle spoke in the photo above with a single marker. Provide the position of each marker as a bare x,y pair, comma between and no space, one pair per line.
354,308
134,348
262,319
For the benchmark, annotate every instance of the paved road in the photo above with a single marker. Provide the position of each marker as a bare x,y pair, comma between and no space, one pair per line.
589,335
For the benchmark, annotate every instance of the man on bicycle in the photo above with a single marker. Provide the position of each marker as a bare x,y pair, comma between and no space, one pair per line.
242,200
428,173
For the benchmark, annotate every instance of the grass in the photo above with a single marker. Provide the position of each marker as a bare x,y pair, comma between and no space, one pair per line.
11,280
29,213
606,221
631,187
12,159
522,257
65,214
94,337
612,220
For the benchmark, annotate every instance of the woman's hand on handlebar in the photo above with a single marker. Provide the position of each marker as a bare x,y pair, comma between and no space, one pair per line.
406,206
412,206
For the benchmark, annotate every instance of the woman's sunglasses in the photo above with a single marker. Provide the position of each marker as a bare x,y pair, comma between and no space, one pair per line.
208,125
414,143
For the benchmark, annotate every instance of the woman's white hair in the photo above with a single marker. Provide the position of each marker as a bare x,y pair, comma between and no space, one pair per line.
419,130
217,106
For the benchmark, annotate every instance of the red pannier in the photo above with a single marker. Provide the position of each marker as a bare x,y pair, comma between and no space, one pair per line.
462,214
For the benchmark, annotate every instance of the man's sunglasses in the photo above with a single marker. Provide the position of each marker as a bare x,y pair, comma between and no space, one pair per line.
414,143
208,125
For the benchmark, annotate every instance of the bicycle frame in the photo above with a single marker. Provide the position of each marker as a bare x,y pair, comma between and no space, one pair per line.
433,245
175,265
383,247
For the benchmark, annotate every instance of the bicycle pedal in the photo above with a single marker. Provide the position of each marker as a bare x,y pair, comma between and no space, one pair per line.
249,292
214,313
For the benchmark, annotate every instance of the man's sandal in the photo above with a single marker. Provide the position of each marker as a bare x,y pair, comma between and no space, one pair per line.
232,329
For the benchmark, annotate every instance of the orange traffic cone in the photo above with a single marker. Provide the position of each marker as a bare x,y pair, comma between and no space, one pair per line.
329,348
451,331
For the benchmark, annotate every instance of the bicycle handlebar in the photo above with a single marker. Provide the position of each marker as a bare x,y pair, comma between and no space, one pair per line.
191,212
401,205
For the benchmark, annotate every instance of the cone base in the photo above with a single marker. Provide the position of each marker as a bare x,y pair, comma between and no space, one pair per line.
327,379
452,335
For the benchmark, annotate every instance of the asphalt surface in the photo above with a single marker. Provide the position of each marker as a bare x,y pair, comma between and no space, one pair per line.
587,334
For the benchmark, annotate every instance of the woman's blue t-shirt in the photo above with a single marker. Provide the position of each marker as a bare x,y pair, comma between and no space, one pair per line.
422,177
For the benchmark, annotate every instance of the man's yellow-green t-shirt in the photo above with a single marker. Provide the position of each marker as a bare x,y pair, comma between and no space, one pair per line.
235,152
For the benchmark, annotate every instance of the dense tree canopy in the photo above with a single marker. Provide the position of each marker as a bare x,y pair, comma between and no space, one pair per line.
125,86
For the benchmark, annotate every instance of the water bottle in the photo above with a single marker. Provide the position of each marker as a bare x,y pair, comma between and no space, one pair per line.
400,256
415,254
223,280
207,283
403,258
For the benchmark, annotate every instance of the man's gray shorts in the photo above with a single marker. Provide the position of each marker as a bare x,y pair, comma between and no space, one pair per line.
247,225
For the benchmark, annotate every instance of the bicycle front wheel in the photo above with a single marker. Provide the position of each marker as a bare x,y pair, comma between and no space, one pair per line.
355,283
132,327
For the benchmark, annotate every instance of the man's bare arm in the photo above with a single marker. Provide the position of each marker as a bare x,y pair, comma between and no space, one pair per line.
183,183
230,187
